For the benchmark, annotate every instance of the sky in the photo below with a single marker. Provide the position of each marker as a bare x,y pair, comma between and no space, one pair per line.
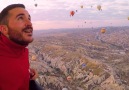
55,14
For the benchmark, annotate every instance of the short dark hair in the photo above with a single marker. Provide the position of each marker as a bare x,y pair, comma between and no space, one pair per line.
5,12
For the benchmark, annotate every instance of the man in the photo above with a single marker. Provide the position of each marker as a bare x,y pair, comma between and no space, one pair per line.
15,34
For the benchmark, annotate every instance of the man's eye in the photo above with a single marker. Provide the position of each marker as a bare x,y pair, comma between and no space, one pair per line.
19,18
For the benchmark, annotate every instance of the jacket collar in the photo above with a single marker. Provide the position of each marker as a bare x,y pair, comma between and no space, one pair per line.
10,48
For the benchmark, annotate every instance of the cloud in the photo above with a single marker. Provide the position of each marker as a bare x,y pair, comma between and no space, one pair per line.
57,12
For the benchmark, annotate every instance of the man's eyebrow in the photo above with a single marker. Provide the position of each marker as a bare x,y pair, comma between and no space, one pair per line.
21,14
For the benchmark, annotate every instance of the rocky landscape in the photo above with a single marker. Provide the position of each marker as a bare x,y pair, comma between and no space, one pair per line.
81,59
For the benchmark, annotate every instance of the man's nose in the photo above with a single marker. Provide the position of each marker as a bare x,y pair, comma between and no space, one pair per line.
28,23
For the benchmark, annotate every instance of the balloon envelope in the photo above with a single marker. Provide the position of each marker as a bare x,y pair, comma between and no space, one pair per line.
103,30
36,4
83,65
72,13
33,58
81,6
128,18
69,78
99,7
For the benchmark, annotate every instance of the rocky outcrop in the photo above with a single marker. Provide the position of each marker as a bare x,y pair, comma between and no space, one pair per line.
80,61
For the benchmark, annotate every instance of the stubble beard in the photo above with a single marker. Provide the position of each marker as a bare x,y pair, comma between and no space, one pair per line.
17,37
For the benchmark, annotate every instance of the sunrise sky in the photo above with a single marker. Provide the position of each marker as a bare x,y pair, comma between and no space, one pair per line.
53,14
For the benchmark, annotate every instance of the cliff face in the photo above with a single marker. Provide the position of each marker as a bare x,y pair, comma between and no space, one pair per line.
82,59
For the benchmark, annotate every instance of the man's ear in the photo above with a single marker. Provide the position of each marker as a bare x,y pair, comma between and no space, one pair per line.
4,30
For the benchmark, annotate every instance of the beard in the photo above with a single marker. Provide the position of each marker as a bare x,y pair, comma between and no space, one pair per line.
18,37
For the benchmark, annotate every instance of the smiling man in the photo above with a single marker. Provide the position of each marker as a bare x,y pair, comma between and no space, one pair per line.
15,34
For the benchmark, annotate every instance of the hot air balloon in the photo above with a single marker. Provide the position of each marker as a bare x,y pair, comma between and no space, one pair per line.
128,18
83,65
36,4
103,30
72,13
81,6
69,78
99,7
33,58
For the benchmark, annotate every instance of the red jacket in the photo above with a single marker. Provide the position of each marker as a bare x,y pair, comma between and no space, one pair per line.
14,65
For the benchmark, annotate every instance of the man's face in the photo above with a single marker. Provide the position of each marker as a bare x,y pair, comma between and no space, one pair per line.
19,26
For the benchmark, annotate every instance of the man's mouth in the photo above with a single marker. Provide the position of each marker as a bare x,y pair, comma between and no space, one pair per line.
28,32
